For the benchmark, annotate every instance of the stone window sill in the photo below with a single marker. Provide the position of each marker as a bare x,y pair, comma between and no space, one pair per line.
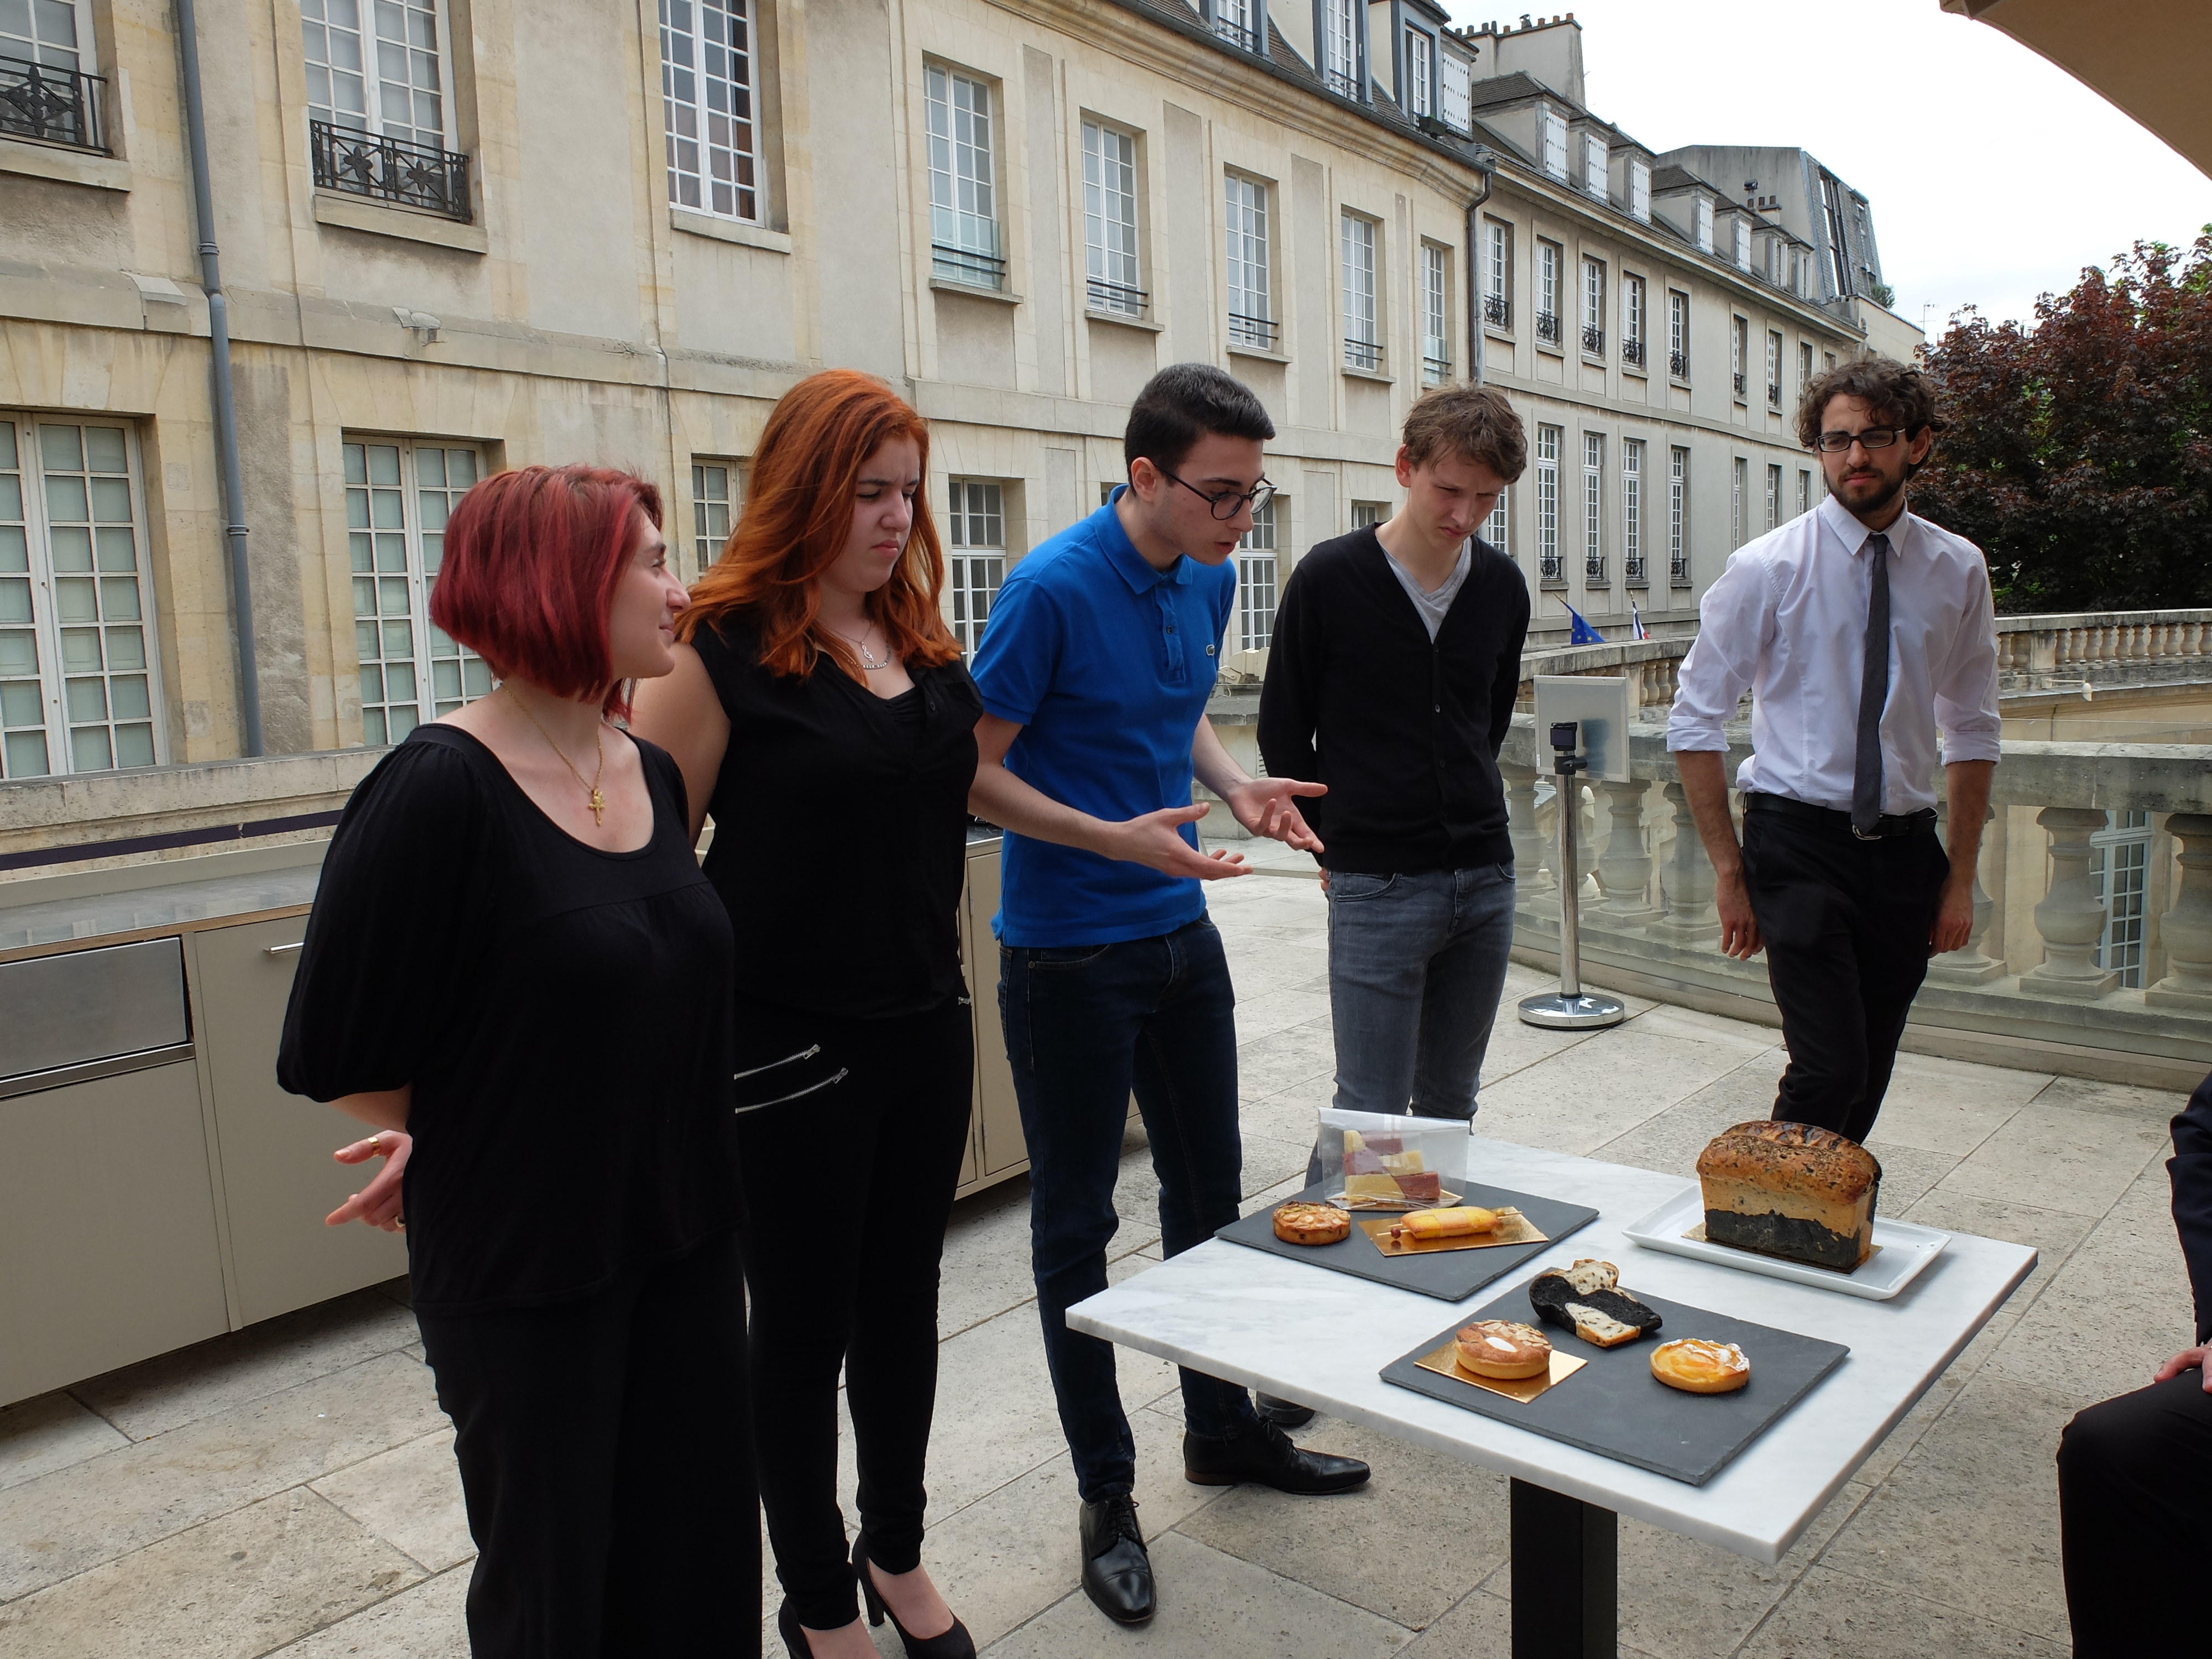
975,291
1261,352
1374,374
1145,323
729,230
67,166
383,219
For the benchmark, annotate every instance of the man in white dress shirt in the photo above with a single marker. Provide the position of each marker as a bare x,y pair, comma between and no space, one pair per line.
1861,631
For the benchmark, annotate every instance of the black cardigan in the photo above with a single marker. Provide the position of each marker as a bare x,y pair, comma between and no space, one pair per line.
1403,730
2190,1170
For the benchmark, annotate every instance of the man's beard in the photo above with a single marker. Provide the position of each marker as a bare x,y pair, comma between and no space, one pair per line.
1890,492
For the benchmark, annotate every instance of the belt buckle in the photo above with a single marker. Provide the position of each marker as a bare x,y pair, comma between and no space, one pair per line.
1862,835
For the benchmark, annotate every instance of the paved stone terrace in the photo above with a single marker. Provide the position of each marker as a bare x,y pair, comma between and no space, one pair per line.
291,1488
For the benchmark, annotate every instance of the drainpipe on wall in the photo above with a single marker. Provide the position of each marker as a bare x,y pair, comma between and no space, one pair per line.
1484,163
226,410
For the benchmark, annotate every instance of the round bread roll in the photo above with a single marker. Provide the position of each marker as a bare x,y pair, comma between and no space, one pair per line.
1697,1366
1502,1349
1311,1224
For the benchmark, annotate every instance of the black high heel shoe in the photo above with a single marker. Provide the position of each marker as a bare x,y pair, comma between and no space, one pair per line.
953,1643
794,1638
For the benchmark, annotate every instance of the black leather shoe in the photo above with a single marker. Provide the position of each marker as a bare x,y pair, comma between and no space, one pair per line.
1283,1413
1264,1456
1117,1571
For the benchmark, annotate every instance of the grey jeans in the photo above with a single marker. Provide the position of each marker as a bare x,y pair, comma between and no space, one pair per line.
1416,966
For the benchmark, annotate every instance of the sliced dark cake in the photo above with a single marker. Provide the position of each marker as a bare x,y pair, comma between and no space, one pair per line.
1587,1300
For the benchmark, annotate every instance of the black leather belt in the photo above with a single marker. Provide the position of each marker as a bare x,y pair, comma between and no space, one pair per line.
1890,823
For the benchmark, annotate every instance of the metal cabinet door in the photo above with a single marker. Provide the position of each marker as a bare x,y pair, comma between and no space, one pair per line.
278,1178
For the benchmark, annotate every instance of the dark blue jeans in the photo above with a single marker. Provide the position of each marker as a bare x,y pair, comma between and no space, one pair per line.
1085,1025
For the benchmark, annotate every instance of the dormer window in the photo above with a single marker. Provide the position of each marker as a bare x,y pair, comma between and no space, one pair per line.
1701,224
1593,159
1743,246
1639,192
1417,53
1552,141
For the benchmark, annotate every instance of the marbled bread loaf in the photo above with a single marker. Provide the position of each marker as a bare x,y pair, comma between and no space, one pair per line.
1790,1190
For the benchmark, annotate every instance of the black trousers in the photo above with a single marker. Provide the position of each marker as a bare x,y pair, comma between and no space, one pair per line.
1845,925
848,1185
2133,1473
602,1528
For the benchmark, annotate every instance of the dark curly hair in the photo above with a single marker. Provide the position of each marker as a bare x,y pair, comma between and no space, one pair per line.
1892,392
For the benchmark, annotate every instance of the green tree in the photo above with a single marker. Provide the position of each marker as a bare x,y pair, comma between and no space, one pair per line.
2078,451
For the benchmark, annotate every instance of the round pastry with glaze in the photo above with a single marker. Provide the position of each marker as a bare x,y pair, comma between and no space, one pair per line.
1697,1366
1504,1350
1311,1224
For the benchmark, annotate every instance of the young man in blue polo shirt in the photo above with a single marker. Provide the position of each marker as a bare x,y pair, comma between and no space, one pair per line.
1102,650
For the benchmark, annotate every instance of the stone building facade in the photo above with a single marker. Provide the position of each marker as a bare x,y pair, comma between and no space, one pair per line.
458,235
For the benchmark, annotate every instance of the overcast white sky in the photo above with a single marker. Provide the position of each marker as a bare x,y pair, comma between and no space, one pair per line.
1993,175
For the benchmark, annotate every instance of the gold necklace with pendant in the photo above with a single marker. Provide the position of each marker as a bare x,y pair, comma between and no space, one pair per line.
598,800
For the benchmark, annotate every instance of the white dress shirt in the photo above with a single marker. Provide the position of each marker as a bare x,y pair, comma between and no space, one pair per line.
1788,620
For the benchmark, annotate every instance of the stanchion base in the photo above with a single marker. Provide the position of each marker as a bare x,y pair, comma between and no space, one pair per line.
1590,1012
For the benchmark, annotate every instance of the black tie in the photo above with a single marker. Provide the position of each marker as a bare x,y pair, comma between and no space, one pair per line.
1874,692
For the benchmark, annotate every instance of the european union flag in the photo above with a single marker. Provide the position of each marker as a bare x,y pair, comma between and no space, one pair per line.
1583,634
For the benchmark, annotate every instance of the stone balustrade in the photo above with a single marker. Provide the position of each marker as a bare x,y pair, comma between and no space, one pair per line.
2091,948
2113,647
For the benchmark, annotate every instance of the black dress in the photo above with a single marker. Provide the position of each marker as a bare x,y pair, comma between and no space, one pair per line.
563,1016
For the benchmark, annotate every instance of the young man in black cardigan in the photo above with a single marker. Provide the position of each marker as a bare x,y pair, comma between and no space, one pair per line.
1391,678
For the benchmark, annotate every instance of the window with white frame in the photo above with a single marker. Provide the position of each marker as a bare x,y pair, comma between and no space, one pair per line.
1593,506
1678,515
1773,369
1640,191
1552,141
1677,334
1593,163
964,214
1255,582
1739,351
382,73
1498,525
1742,244
398,495
1701,224
974,558
707,68
1367,514
1773,497
1804,491
1497,274
1547,504
1436,315
1742,488
715,487
1632,510
78,677
1549,256
1238,21
1454,92
1632,323
1363,343
2119,865
1804,366
1341,23
1109,221
1594,307
1419,53
51,41
1251,291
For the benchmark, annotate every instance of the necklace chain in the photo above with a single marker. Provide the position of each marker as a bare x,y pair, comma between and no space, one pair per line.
861,646
598,802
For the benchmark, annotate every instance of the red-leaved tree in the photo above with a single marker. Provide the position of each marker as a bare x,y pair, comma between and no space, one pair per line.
2079,452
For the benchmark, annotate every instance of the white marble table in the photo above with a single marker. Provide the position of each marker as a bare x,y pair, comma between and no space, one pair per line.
1320,1338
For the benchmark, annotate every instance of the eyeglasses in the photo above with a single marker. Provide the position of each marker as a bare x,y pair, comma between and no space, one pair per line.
1226,503
1875,437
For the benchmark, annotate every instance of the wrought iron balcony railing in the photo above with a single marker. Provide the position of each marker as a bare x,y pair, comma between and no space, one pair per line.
1678,365
1237,34
1678,570
1773,394
1343,85
1496,311
52,105
1738,378
1594,569
1260,332
1547,327
1593,341
1364,354
1548,567
1435,371
1631,352
388,170
962,264
1632,570
1115,299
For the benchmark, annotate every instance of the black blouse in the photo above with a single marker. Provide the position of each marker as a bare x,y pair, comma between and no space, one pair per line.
841,831
564,1015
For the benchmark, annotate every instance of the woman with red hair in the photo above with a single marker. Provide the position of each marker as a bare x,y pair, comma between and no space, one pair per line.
514,961
820,712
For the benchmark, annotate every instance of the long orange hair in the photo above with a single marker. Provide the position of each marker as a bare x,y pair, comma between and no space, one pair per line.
797,516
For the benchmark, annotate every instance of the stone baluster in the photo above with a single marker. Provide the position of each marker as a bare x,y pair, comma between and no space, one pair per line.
2071,917
1687,882
1625,867
2186,929
1970,964
1530,877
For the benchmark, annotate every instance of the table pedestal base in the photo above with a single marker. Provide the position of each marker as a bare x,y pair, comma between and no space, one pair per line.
1566,1591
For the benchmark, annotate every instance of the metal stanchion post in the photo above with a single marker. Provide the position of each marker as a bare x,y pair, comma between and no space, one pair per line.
1571,1008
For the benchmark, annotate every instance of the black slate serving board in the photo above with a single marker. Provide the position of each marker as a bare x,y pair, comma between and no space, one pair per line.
1447,1275
1613,1405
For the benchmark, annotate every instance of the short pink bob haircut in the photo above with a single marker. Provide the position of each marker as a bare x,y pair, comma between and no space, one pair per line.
531,559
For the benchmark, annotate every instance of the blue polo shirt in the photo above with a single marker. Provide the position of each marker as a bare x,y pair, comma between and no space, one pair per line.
1106,663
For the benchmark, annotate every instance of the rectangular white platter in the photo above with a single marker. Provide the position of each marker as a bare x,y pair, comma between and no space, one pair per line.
1903,1249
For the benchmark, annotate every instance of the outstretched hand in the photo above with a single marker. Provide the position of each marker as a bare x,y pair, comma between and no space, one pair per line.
2199,1357
1156,841
1269,807
379,1203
